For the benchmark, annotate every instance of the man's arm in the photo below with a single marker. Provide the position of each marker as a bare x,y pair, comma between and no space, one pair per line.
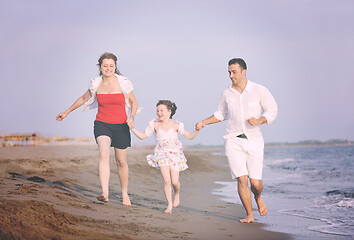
270,108
255,122
210,120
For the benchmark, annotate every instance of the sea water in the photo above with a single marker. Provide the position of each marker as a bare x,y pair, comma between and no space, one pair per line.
309,191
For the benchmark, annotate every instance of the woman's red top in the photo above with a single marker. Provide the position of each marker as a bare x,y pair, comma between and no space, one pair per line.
111,108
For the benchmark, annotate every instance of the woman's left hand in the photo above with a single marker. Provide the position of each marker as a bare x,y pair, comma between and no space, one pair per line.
130,122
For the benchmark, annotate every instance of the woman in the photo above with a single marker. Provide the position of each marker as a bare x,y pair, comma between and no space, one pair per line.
112,93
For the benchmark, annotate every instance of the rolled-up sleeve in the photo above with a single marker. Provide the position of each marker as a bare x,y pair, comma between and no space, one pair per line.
128,86
125,84
269,105
221,111
91,102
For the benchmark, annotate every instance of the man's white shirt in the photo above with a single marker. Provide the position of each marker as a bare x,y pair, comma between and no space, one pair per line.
255,101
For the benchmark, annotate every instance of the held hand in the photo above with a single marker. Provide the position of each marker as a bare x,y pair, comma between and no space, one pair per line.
254,121
130,122
61,116
199,126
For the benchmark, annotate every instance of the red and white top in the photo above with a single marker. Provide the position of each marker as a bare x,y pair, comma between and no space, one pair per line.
111,108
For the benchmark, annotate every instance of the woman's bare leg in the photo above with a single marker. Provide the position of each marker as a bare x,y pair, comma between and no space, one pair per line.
123,172
104,143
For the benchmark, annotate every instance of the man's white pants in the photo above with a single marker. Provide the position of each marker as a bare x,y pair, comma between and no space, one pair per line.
245,156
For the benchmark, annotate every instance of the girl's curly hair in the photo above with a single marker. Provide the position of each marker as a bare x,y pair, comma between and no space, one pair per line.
170,106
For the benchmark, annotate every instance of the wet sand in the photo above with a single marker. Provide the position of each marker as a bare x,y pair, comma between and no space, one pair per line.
49,192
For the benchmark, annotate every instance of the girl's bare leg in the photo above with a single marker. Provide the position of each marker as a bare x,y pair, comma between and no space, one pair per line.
176,186
104,143
123,172
166,175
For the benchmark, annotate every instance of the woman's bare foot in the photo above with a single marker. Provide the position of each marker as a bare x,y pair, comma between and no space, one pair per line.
126,200
169,208
248,219
176,200
262,208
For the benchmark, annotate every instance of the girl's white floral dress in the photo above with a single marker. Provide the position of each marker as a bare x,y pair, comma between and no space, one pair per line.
168,150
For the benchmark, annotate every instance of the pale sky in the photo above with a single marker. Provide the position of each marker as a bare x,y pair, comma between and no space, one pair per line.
302,51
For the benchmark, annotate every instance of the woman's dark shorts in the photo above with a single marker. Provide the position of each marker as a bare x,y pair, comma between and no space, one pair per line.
119,133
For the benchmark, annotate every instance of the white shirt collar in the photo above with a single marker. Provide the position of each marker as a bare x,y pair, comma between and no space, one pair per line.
248,87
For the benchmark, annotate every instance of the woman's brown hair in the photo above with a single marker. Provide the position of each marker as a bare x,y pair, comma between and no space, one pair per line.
108,55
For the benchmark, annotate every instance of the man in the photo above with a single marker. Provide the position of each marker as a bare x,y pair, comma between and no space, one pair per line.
245,105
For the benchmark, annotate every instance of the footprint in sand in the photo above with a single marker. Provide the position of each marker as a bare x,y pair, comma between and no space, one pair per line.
36,179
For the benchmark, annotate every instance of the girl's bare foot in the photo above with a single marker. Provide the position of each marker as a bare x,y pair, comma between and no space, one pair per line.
169,208
262,208
176,200
248,219
126,200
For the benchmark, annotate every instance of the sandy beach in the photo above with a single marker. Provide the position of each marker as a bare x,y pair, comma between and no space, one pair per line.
49,192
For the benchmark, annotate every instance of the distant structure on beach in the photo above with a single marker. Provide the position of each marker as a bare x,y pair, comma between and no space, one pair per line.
10,140
33,139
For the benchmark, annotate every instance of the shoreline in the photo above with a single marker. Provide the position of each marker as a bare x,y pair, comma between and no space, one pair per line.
308,145
50,192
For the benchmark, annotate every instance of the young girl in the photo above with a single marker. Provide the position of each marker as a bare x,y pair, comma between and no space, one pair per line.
168,154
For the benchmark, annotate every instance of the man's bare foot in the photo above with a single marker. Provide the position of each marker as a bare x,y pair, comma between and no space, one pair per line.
126,200
248,219
169,208
262,208
176,200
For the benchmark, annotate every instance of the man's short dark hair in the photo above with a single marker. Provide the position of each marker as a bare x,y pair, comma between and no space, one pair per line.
240,62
